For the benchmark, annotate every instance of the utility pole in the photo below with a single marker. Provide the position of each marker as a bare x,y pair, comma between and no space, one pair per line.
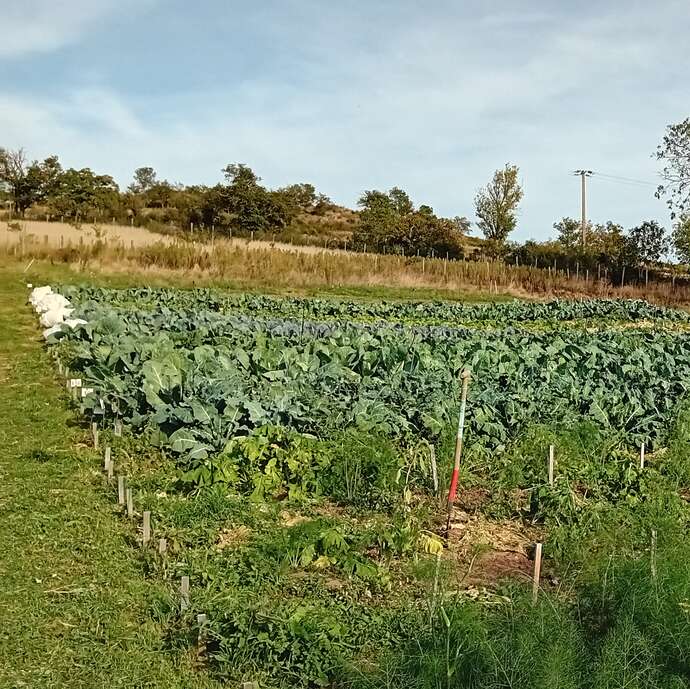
583,176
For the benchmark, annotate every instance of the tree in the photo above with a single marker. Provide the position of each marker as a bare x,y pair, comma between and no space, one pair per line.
144,180
674,151
496,204
389,221
681,238
649,241
244,204
13,175
79,192
570,232
28,183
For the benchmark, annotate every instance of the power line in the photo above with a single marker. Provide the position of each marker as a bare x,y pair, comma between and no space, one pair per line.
619,178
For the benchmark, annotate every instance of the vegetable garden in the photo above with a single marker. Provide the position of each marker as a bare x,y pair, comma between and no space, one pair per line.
295,454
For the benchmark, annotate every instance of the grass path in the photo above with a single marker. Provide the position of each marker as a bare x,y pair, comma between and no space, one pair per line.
74,603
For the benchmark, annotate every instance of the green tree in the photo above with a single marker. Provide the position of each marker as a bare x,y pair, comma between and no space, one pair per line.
389,221
570,232
144,180
28,183
79,193
244,204
680,238
674,151
496,204
649,241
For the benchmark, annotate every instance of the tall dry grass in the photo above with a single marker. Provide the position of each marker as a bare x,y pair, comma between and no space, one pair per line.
266,264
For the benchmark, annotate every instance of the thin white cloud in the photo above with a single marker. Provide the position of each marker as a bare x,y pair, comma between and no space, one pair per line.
42,26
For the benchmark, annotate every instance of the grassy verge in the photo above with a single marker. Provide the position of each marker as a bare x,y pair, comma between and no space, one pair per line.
75,606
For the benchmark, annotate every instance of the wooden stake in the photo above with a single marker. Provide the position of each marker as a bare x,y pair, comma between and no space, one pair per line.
434,468
162,546
94,432
120,490
106,458
458,446
118,428
201,621
642,456
130,502
652,554
537,572
551,464
147,527
184,593
110,470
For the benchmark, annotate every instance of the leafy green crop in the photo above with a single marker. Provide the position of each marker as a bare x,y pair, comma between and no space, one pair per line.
196,380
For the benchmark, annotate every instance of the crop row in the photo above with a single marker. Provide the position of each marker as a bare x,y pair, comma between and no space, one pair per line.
448,313
196,379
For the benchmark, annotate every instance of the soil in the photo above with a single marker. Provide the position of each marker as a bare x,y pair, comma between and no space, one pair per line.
488,552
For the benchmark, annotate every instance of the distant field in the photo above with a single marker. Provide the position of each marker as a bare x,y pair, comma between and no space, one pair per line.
56,234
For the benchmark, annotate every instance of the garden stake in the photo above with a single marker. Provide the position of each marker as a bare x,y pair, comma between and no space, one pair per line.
184,593
147,528
537,573
551,464
120,490
201,620
118,428
130,503
458,446
653,554
94,432
106,458
434,469
162,546
110,469
642,456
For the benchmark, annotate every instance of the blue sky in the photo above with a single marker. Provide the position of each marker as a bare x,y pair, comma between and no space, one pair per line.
432,97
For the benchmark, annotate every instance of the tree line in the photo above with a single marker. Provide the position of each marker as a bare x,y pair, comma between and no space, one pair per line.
386,221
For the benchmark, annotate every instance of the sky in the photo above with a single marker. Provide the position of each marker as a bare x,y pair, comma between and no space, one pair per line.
428,96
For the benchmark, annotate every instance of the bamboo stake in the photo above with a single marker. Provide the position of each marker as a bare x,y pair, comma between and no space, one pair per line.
458,446
537,572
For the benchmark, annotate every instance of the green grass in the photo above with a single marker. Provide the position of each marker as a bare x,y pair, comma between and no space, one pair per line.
74,602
